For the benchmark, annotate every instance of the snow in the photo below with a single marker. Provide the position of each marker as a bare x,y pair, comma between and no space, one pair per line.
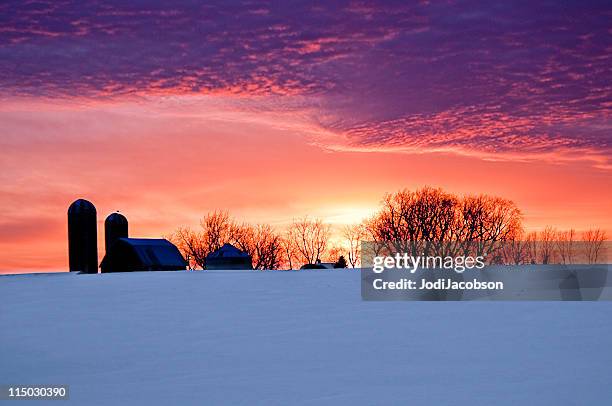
293,338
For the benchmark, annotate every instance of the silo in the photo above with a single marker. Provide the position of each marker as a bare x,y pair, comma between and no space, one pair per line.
82,237
115,227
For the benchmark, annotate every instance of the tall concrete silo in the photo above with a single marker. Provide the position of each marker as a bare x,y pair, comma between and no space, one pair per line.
115,227
82,237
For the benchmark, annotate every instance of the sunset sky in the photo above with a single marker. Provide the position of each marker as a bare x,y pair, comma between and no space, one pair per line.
167,110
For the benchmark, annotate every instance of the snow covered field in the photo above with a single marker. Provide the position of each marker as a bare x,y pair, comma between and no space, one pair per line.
285,338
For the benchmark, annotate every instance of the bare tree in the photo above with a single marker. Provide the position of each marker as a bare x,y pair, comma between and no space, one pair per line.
309,238
565,245
516,250
289,251
333,253
532,247
502,222
196,245
261,242
593,240
242,236
191,245
354,234
269,248
431,221
217,228
546,245
376,244
485,222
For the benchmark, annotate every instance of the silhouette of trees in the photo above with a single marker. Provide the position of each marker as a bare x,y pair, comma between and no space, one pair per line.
196,245
427,221
593,240
430,221
191,245
552,246
486,221
341,262
515,251
546,245
260,242
566,245
217,228
333,253
354,234
377,244
290,253
309,239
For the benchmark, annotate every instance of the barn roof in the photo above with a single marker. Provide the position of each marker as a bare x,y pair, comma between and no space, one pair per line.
228,251
150,252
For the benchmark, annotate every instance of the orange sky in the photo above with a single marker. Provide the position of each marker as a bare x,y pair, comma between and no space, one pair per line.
167,110
165,161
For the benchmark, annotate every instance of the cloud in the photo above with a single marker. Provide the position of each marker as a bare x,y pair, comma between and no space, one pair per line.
498,80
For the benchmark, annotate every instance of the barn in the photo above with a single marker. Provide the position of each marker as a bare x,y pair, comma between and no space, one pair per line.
142,254
228,257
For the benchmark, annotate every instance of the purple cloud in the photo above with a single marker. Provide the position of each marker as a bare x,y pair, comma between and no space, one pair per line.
517,78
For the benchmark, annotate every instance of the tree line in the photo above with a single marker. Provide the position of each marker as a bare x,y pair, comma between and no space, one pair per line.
553,246
426,221
306,241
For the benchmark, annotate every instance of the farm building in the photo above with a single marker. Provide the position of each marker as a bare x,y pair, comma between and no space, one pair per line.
229,257
142,254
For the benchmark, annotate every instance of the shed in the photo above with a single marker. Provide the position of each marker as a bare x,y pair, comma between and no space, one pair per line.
319,265
142,254
228,257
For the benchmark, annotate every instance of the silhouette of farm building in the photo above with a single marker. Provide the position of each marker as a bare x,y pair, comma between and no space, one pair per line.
229,257
142,254
82,237
115,227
